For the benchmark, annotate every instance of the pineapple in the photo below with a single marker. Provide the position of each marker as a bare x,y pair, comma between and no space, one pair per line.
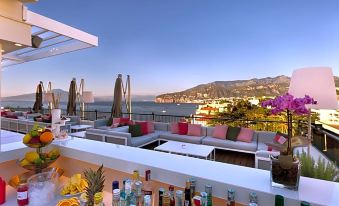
95,180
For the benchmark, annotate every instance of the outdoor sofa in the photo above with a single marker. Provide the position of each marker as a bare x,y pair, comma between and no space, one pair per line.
162,132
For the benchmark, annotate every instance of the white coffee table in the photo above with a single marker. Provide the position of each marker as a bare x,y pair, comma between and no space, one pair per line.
188,149
80,127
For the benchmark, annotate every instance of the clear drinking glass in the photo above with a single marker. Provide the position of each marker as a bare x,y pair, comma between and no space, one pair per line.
42,188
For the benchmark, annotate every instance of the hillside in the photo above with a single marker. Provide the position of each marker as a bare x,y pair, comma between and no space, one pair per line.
240,88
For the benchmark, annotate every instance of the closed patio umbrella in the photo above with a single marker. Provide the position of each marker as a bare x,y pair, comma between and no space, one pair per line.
72,95
117,99
38,98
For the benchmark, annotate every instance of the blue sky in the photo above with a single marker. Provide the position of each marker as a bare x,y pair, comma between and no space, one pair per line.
168,46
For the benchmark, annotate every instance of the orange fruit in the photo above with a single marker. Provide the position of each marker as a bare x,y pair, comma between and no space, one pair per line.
46,137
64,203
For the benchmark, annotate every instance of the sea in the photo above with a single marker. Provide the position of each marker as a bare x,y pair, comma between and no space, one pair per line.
143,107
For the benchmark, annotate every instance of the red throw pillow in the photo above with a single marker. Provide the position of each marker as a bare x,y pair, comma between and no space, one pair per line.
144,127
150,126
124,120
3,114
183,128
280,139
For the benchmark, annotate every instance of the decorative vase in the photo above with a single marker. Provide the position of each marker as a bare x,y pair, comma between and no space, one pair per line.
285,172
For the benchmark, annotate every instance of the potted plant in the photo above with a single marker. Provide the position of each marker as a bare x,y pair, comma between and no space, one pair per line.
285,169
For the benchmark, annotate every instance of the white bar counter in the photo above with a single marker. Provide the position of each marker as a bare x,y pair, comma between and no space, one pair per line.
175,169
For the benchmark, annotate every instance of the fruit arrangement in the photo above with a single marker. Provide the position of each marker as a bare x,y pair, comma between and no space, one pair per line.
34,159
38,137
69,202
75,185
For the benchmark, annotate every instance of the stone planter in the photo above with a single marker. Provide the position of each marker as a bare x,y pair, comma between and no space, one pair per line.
285,172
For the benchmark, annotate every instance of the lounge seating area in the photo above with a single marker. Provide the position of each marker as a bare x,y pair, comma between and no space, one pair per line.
244,140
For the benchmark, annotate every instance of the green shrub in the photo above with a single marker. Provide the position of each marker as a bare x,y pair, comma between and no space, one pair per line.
319,170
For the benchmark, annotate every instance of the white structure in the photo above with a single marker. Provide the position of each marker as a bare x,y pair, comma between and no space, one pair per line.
26,36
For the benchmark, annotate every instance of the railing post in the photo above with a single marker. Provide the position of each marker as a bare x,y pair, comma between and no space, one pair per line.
96,114
153,117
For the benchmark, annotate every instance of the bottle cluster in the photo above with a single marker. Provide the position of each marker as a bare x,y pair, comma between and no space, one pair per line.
135,192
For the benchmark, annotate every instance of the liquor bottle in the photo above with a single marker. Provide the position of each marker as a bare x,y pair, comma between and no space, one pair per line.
230,197
123,198
178,197
187,194
196,200
253,199
161,194
135,178
138,194
147,200
166,199
171,193
279,200
208,190
192,187
304,203
116,197
22,195
203,198
147,188
128,191
115,185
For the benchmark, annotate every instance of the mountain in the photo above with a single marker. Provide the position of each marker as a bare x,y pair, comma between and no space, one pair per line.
64,97
269,86
31,96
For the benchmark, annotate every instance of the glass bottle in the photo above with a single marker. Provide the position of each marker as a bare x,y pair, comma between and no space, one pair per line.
171,193
116,197
279,200
147,200
230,197
192,187
208,190
161,194
166,200
147,188
22,194
123,198
136,178
187,194
138,194
253,199
203,198
178,198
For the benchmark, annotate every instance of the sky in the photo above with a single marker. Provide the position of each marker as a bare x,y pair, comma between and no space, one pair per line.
169,46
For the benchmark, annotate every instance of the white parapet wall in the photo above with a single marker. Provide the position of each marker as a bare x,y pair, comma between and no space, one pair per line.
175,169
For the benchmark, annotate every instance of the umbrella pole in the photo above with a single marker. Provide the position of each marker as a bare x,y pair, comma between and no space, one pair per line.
129,96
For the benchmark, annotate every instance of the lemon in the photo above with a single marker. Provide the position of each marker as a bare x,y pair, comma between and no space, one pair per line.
53,153
27,138
24,162
32,156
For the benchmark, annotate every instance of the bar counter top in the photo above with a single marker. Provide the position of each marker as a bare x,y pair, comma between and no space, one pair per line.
175,169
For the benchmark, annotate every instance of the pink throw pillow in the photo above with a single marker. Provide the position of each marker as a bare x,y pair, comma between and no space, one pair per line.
194,130
150,126
115,122
220,131
183,128
174,127
245,135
